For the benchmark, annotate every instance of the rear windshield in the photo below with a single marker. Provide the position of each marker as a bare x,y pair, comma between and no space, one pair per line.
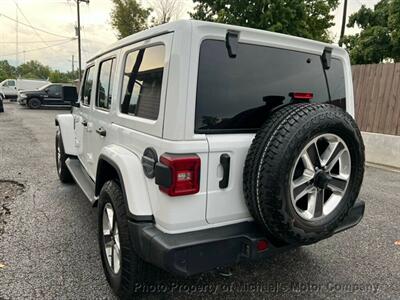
236,94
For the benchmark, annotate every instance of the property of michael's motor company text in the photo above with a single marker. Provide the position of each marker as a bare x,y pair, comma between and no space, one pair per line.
264,287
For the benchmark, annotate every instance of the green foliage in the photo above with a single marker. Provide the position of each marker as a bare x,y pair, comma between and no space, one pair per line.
379,38
304,18
58,76
6,70
129,17
35,70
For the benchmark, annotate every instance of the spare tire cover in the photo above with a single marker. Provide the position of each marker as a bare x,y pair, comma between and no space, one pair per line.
303,172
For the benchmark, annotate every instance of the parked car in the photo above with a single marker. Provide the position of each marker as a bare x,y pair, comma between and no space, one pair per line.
204,144
9,88
52,94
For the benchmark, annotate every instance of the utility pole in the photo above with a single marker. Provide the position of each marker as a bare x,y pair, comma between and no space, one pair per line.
78,33
343,22
16,35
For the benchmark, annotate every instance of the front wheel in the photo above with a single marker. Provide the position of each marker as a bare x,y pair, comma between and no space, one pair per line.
62,170
124,270
34,103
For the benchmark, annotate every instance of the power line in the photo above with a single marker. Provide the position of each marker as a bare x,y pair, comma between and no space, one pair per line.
42,30
41,48
26,19
33,42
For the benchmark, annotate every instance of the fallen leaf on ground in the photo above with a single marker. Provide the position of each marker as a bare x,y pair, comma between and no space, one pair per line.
2,266
397,243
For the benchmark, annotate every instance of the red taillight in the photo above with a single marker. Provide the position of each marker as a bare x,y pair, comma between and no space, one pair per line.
184,174
262,245
301,96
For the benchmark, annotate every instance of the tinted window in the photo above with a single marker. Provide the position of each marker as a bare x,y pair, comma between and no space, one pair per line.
11,83
104,86
142,82
54,91
70,93
337,88
236,94
87,86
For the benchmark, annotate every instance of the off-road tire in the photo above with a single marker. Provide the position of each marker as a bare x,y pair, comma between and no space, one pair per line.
34,103
63,173
134,273
273,154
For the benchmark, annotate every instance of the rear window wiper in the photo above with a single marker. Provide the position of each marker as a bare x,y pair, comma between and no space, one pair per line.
232,41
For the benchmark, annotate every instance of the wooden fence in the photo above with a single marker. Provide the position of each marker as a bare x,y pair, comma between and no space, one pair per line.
377,97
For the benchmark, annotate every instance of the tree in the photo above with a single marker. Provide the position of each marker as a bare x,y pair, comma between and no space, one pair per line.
129,17
58,76
379,39
165,10
304,18
33,70
6,70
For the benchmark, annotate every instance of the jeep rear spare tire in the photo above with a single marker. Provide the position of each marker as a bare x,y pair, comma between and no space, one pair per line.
303,172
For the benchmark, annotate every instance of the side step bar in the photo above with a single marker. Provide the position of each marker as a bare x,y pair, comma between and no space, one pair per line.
81,178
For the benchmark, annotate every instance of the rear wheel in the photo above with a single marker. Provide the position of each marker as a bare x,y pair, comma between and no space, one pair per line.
124,270
303,172
34,103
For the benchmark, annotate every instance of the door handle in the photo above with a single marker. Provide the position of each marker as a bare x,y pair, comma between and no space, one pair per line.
101,131
225,161
84,123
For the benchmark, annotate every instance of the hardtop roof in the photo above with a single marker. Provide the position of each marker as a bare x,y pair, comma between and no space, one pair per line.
181,24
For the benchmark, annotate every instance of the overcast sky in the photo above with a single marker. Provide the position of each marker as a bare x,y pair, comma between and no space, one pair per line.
58,18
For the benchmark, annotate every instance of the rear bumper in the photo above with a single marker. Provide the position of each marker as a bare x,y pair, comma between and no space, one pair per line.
195,252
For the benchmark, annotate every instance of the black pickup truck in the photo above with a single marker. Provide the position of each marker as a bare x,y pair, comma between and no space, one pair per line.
53,94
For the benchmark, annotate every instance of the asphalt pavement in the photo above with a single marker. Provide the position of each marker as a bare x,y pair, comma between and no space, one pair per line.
49,249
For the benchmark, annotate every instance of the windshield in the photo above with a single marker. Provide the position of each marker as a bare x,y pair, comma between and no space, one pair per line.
236,94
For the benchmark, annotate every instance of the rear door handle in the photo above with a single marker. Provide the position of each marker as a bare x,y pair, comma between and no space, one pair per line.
225,161
101,131
84,123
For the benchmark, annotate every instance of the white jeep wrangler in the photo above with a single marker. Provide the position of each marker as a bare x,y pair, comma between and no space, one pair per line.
205,144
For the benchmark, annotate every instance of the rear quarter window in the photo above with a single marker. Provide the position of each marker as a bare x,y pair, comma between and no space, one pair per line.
336,81
142,82
236,94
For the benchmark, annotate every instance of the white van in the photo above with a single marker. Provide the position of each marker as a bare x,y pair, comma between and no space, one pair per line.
9,88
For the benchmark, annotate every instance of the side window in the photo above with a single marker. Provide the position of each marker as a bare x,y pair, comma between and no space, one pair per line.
142,82
11,83
87,86
54,91
105,83
70,93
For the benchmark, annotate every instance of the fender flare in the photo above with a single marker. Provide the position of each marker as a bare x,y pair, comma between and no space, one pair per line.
128,167
66,124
